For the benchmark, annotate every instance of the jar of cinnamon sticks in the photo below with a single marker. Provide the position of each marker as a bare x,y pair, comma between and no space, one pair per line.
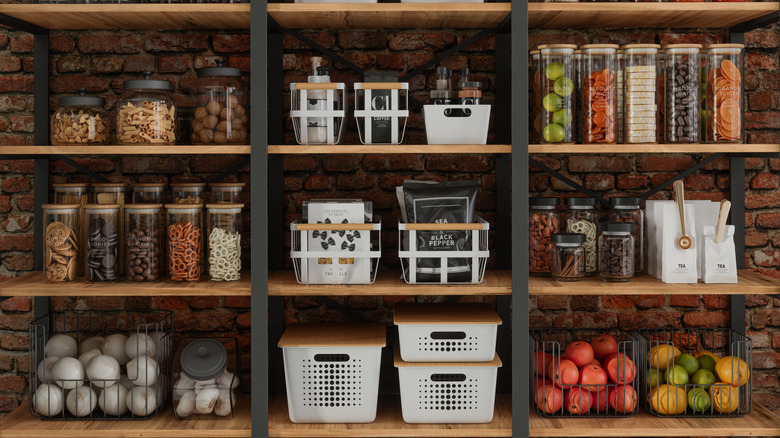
568,256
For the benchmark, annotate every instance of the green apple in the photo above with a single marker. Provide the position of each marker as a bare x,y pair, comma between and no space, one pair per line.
562,117
563,86
552,102
554,70
553,133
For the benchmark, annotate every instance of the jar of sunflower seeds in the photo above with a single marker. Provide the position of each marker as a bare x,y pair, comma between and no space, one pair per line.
61,245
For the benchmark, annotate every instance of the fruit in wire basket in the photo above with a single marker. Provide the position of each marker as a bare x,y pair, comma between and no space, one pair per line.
579,352
724,398
732,370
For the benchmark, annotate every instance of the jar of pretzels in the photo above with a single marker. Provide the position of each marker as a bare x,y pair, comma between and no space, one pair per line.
101,244
224,241
184,233
61,242
80,120
189,193
221,113
146,112
143,242
226,193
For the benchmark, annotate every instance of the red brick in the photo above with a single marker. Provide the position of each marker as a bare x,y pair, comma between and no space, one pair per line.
587,163
760,340
299,163
237,302
584,302
23,364
109,44
322,38
204,303
486,63
13,140
765,181
362,40
385,162
774,163
355,181
390,61
244,321
230,43
690,38
415,60
755,163
766,360
763,100
762,39
13,383
22,44
617,302
764,120
172,303
538,183
776,341
10,64
706,319
417,41
458,163
318,182
16,84
107,303
17,304
684,300
627,181
767,258
6,362
599,182
134,165
361,302
763,318
61,44
760,61
70,84
17,184
663,163
12,103
363,60
100,165
5,203
19,262
173,64
756,238
8,403
175,43
553,302
763,137
292,184
586,320
756,300
762,200
4,40
138,63
649,301
716,301
72,64
340,163
535,39
22,123
20,321
698,181
14,342
552,163
768,220
205,321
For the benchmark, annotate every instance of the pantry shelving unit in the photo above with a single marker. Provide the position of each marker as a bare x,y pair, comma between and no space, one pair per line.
653,148
126,150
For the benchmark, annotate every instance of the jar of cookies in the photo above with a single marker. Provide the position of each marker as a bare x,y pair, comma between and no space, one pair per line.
185,223
221,115
189,193
80,120
61,242
226,193
224,241
143,241
101,250
109,193
146,112
148,193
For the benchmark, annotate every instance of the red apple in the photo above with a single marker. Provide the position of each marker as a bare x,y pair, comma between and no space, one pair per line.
600,400
541,360
549,398
563,373
603,345
579,352
591,376
623,399
620,368
577,400
595,362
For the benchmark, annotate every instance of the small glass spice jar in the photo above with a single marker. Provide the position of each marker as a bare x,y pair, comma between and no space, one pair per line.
184,225
61,242
568,256
582,217
224,241
470,92
205,378
629,209
101,251
148,193
146,112
221,113
724,103
616,251
109,193
543,223
143,242
228,193
189,193
557,93
80,120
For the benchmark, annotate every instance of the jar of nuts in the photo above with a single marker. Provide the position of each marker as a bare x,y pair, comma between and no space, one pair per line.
543,223
80,120
146,112
221,115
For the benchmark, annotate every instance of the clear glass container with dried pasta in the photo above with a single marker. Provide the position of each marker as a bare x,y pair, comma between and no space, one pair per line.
60,242
221,113
568,256
185,237
148,193
101,244
189,193
223,241
144,242
582,217
109,193
146,113
226,193
80,120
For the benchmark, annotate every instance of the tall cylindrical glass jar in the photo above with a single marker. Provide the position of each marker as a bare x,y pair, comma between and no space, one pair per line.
148,193
101,251
597,75
108,193
557,93
616,252
577,106
189,193
542,224
185,237
80,120
568,257
226,193
222,112
224,241
583,218
146,113
725,107
533,96
681,87
619,106
629,210
144,242
60,242
640,93
660,85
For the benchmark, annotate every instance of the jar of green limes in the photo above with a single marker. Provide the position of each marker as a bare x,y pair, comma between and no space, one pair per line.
557,92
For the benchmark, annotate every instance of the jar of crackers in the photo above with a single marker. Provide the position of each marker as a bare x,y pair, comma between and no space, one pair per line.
184,232
108,193
224,241
101,250
189,193
221,113
146,112
226,193
61,242
80,120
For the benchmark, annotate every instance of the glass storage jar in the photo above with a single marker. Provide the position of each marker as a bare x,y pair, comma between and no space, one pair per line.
189,193
616,251
148,193
71,193
629,210
724,103
533,95
620,62
557,93
568,256
543,223
681,89
576,104
659,97
184,225
228,193
143,242
224,241
221,113
205,378
597,76
60,242
582,218
80,120
146,112
109,193
640,93
101,244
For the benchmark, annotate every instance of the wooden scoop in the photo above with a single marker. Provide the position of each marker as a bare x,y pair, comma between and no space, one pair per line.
725,206
684,242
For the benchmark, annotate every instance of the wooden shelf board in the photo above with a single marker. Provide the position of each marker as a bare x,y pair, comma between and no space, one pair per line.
749,283
651,148
132,16
21,424
389,15
644,15
392,149
34,284
125,150
760,422
283,283
388,423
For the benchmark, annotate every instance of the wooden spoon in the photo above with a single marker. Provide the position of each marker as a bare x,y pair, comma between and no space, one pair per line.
725,206
684,242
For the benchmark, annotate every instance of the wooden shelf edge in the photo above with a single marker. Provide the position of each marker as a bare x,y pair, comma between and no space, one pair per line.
126,150
392,149
652,148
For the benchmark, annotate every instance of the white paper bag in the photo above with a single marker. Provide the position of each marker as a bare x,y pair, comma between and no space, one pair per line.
706,215
338,270
720,260
654,236
678,265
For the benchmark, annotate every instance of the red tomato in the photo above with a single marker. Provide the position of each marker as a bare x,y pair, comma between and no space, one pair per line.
577,400
580,352
591,376
603,345
563,373
541,360
549,398
600,400
623,399
595,362
620,368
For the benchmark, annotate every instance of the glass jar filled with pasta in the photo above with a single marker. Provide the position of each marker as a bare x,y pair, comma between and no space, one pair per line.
224,241
582,218
148,193
146,112
724,103
226,193
557,93
189,193
144,242
61,242
101,244
109,193
80,120
640,93
184,233
597,75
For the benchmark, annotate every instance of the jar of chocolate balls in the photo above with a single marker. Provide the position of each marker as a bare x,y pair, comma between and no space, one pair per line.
221,113
143,242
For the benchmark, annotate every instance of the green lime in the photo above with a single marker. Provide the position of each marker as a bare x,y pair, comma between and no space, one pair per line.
698,400
688,362
676,375
563,86
554,70
703,377
552,102
562,117
553,133
707,363
655,378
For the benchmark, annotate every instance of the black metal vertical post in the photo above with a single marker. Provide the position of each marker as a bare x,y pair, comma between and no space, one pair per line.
737,196
41,165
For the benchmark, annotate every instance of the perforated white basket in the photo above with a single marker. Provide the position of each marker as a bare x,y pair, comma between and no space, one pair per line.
456,124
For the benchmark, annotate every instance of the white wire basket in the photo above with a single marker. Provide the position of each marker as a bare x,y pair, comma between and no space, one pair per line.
381,102
329,122
456,124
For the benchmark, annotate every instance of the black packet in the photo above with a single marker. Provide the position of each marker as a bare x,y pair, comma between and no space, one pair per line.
381,129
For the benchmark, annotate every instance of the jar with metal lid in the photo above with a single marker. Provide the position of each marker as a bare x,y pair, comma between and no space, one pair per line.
71,193
143,242
582,218
80,120
616,251
221,113
60,242
724,103
109,193
185,237
148,193
101,245
597,99
146,112
224,241
543,223
557,93
206,377
228,192
568,256
533,96
188,192
681,89
470,92
640,93
629,210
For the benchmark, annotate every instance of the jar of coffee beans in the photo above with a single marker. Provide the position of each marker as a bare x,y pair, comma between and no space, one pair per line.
568,256
616,251
543,223
221,113
143,242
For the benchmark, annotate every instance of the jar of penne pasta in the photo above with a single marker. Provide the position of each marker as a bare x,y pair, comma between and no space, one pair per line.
146,112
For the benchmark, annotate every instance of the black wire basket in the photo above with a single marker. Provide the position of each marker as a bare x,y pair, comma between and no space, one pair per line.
657,352
549,400
81,325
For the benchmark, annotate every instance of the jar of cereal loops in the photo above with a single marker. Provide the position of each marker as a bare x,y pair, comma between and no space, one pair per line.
61,242
224,241
543,223
146,112
226,193
80,120
184,232
221,112
143,241
582,218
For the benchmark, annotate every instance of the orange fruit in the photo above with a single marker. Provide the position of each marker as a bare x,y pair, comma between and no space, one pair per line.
732,370
668,399
701,353
725,398
729,111
662,355
730,71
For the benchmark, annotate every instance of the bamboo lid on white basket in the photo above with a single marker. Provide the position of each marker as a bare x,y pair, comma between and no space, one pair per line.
336,334
445,313
399,363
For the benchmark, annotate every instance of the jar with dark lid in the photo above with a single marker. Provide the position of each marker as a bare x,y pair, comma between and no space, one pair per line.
616,251
205,377
582,217
221,113
568,256
470,92
80,120
146,112
629,209
542,224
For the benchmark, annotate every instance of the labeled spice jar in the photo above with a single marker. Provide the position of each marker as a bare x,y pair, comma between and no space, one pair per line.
184,226
143,242
109,193
224,241
724,103
543,223
205,378
189,193
597,75
681,87
146,112
443,93
629,210
640,93
616,251
533,96
568,256
470,92
557,92
148,193
221,113
101,250
71,193
80,120
60,242
228,193
582,218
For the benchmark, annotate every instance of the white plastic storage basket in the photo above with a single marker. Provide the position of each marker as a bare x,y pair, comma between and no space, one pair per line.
329,121
476,257
332,371
381,102
442,392
446,332
456,124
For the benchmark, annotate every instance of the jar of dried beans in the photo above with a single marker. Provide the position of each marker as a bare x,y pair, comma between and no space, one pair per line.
681,87
543,223
80,120
221,113
146,112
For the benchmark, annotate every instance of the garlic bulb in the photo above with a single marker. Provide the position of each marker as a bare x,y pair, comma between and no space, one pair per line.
114,346
227,380
141,401
205,400
86,356
90,344
44,368
68,372
200,385
225,402
103,370
140,344
113,400
81,401
48,400
61,346
186,405
184,385
142,371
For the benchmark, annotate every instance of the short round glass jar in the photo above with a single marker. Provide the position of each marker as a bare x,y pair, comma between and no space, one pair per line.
108,193
101,251
185,237
616,251
148,193
542,224
146,112
60,242
629,209
221,114
224,241
80,120
228,193
189,193
582,217
205,378
143,242
568,256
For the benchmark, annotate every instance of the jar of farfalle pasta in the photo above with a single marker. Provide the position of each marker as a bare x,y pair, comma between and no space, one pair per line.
224,241
146,112
184,232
